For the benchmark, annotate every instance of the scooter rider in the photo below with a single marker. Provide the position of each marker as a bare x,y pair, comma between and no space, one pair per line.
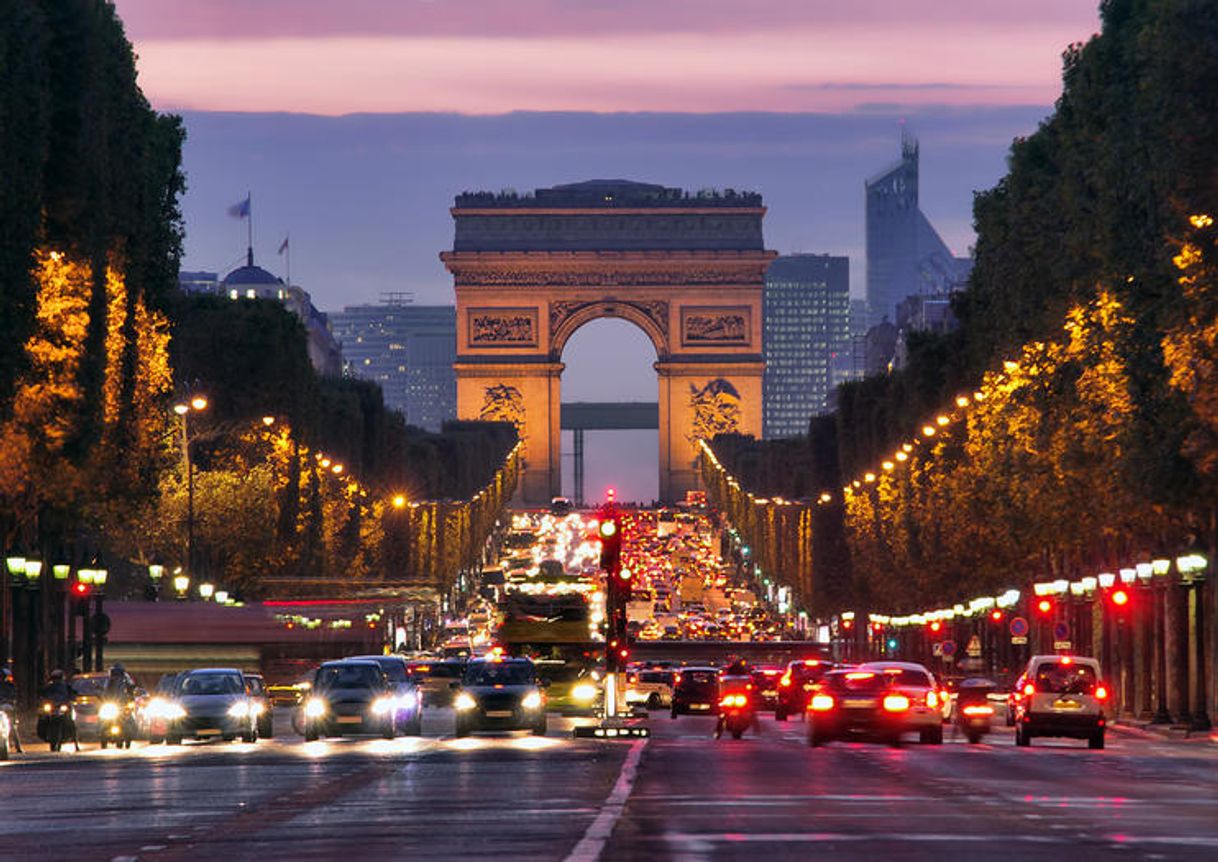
58,690
735,679
119,687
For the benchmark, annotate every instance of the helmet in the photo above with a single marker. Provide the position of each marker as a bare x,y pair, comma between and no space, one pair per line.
117,670
57,674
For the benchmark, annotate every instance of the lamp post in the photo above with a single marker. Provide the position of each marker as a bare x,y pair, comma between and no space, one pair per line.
1159,570
14,565
197,404
101,622
1192,574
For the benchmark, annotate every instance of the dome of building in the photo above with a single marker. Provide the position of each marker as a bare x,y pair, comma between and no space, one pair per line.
250,275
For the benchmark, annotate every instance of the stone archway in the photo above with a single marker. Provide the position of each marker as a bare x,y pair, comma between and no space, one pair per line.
689,271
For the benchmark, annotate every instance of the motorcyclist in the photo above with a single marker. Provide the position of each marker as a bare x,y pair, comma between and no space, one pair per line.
119,687
736,679
59,691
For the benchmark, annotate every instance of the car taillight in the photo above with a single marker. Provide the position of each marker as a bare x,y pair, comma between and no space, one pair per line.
734,700
1029,690
932,699
821,703
1101,693
896,703
676,678
785,682
978,710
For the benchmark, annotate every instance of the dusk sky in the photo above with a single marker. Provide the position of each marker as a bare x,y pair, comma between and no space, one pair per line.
355,123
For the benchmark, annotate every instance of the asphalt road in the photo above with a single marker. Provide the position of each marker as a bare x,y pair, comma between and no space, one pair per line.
679,795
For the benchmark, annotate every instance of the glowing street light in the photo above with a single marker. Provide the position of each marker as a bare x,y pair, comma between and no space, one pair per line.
206,591
181,583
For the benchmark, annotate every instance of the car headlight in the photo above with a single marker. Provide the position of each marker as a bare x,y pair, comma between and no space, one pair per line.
240,709
382,705
108,711
532,700
584,691
463,702
314,707
174,711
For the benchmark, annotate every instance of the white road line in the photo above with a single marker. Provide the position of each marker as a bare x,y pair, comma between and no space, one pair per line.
591,846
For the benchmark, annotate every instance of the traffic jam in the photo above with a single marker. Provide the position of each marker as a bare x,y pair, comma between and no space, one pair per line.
556,638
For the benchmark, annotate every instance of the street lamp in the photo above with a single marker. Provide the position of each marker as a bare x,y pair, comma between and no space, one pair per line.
206,591
1159,569
181,583
1192,575
197,403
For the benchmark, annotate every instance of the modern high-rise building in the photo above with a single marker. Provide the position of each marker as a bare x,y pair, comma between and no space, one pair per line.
409,350
905,254
806,338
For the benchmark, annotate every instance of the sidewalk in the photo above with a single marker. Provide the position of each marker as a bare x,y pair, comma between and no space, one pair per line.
1172,732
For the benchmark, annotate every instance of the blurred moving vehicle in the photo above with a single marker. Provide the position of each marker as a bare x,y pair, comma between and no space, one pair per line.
879,700
350,696
408,707
435,679
974,712
210,702
571,689
500,694
695,691
260,702
652,687
796,684
1062,696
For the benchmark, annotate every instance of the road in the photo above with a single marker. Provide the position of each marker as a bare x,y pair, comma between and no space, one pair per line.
679,795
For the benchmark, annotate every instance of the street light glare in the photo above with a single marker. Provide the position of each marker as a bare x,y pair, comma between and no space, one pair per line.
199,402
181,409
399,501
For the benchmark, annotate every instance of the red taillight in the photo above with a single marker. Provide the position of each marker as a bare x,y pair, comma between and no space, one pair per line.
821,703
1101,693
734,700
978,710
676,678
1029,690
896,703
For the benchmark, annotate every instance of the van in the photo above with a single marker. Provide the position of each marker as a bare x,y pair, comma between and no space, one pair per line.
1062,696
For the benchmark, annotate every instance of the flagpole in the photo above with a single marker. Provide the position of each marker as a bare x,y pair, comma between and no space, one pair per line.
288,240
249,221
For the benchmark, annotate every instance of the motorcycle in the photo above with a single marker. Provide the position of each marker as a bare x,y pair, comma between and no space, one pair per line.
115,724
974,713
736,715
57,723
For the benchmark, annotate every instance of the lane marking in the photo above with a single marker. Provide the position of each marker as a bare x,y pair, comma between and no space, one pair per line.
591,846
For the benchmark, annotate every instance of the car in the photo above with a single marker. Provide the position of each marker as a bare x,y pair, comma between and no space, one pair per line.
211,702
409,707
695,691
159,708
765,683
500,694
570,688
350,696
795,685
1062,696
652,687
89,688
256,686
435,679
879,700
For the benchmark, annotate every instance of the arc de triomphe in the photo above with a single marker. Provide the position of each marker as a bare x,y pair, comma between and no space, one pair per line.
686,269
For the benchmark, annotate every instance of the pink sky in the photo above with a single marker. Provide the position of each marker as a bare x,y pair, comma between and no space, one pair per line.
478,56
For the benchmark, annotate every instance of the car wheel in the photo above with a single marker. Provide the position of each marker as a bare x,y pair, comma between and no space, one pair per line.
1022,738
155,740
3,749
310,734
653,702
539,729
461,730
104,743
780,714
266,727
894,740
173,739
250,737
932,736
390,731
738,733
415,728
1096,742
974,737
674,714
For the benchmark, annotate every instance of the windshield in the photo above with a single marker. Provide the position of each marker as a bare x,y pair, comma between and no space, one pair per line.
499,673
348,676
1057,678
89,685
212,683
699,679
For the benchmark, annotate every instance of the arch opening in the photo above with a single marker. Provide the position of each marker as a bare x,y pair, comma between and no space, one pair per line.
610,361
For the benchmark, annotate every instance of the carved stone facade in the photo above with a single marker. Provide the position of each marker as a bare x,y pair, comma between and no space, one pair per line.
698,300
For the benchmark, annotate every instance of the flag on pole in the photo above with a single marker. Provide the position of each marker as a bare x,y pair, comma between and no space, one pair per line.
283,246
240,209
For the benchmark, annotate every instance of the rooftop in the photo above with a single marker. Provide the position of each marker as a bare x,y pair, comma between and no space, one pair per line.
608,194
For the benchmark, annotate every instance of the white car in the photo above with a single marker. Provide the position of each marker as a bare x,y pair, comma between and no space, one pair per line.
1062,696
652,688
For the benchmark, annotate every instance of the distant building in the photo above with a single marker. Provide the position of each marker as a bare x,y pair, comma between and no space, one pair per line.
199,282
905,254
881,347
806,339
409,350
254,282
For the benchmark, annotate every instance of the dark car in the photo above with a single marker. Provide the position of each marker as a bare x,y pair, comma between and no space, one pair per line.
435,679
879,700
500,694
795,686
261,704
211,702
89,688
765,683
348,697
695,691
409,706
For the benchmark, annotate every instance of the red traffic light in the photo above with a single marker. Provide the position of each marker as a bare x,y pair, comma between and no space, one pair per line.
877,627
936,626
847,624
1044,606
1120,598
996,616
80,590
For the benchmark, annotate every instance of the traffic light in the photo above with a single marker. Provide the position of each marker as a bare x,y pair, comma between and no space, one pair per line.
1120,598
80,590
1045,606
935,627
877,628
996,616
611,543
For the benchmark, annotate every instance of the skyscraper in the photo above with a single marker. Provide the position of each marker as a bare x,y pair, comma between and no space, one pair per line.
905,254
407,349
806,338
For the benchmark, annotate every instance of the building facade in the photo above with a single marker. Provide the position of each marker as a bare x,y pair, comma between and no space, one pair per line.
905,254
806,339
409,350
